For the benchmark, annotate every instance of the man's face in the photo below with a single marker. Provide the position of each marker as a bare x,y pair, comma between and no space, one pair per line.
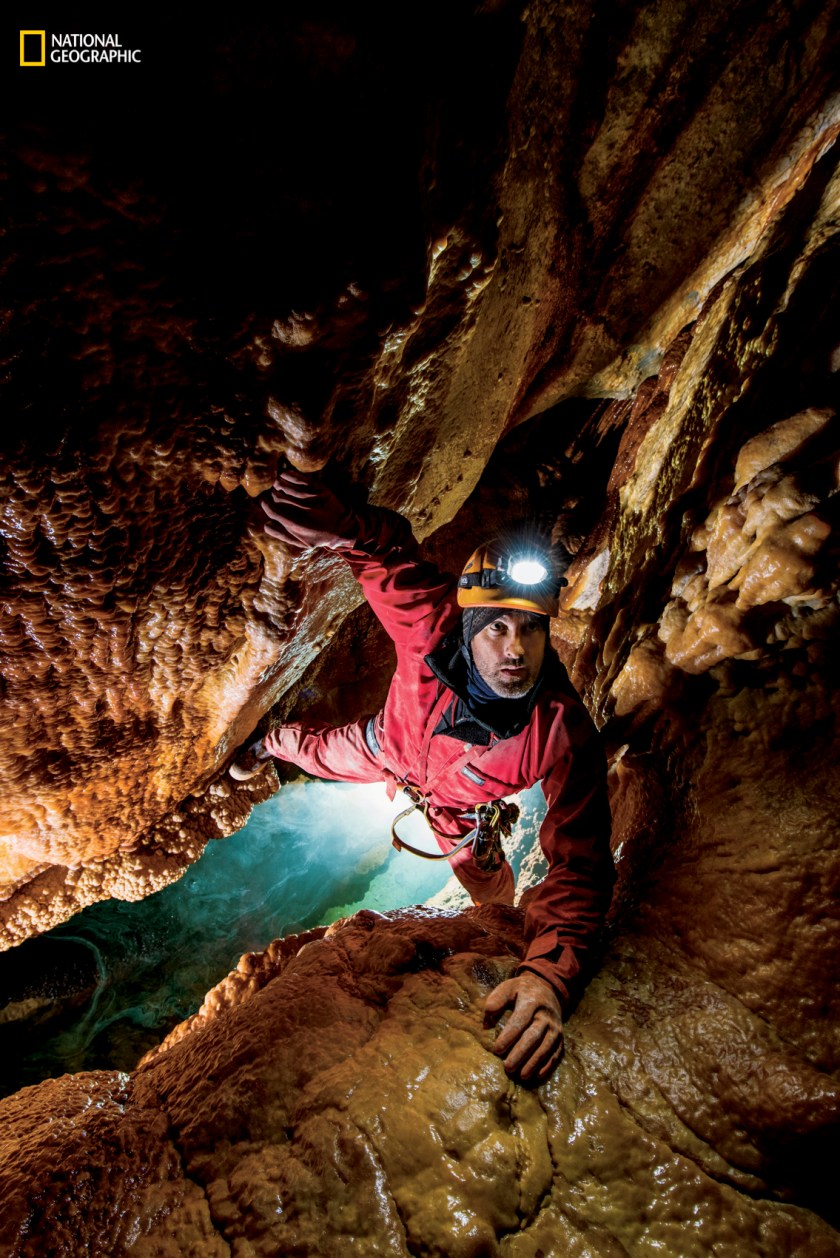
508,653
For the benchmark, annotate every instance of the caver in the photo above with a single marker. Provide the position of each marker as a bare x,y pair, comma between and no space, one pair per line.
479,708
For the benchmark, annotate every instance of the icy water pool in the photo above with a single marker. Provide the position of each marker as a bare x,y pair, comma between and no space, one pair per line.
100,990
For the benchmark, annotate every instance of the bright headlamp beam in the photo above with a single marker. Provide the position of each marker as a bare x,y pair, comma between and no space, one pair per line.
528,571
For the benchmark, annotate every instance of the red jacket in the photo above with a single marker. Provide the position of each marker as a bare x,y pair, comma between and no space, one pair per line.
559,746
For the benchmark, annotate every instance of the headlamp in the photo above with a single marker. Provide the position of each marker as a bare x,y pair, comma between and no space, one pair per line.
527,571
516,570
522,576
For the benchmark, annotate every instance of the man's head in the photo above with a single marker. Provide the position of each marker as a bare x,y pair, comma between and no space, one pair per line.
507,591
508,648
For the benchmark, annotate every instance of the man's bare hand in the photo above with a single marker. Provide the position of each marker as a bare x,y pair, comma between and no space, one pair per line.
532,1041
302,511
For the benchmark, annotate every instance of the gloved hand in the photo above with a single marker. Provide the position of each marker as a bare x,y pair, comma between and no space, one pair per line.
302,511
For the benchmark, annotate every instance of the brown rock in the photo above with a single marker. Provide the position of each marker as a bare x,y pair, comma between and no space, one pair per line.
352,1102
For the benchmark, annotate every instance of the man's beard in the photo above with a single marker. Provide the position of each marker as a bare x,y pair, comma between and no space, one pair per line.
509,687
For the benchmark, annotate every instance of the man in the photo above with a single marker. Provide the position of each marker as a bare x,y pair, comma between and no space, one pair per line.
479,707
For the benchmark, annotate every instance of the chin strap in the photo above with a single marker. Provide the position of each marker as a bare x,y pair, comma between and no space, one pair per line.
493,821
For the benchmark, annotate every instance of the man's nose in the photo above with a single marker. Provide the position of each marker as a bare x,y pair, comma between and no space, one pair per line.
515,646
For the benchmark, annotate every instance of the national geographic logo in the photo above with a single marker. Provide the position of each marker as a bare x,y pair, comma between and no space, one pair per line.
75,49
33,47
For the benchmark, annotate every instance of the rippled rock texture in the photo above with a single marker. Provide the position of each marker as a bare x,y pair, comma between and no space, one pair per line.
374,1119
576,266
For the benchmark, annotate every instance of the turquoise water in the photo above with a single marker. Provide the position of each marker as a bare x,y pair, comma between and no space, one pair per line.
100,990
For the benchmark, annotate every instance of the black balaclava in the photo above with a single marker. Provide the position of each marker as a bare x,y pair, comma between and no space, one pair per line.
474,619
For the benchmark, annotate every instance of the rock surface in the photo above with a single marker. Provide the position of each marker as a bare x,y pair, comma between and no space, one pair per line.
374,1118
608,303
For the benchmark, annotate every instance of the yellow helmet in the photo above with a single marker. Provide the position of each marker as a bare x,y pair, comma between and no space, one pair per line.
525,581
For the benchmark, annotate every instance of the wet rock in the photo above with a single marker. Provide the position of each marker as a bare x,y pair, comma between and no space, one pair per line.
44,984
350,1097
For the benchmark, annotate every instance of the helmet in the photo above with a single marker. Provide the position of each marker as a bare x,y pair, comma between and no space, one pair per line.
524,580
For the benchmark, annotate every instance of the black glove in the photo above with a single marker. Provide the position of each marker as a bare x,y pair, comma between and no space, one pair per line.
302,511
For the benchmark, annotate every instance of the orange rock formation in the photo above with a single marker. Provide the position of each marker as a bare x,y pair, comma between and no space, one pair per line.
548,262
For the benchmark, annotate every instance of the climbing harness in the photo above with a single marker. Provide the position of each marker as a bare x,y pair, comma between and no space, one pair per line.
493,821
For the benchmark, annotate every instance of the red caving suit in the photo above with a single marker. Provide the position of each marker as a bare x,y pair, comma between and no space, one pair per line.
559,746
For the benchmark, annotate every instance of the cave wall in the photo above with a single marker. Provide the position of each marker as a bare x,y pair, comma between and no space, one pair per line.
455,234
606,303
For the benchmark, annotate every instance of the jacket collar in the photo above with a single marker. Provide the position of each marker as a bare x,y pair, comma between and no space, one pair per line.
506,718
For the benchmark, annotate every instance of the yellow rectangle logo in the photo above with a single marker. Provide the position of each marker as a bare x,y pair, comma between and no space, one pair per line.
42,36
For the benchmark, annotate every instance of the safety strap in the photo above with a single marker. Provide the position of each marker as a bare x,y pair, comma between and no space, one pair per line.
420,797
370,737
403,844
431,725
493,819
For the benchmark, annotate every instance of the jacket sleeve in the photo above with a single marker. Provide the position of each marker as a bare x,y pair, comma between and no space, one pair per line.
563,915
413,601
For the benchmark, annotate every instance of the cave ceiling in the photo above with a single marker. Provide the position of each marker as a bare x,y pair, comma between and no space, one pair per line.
568,262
